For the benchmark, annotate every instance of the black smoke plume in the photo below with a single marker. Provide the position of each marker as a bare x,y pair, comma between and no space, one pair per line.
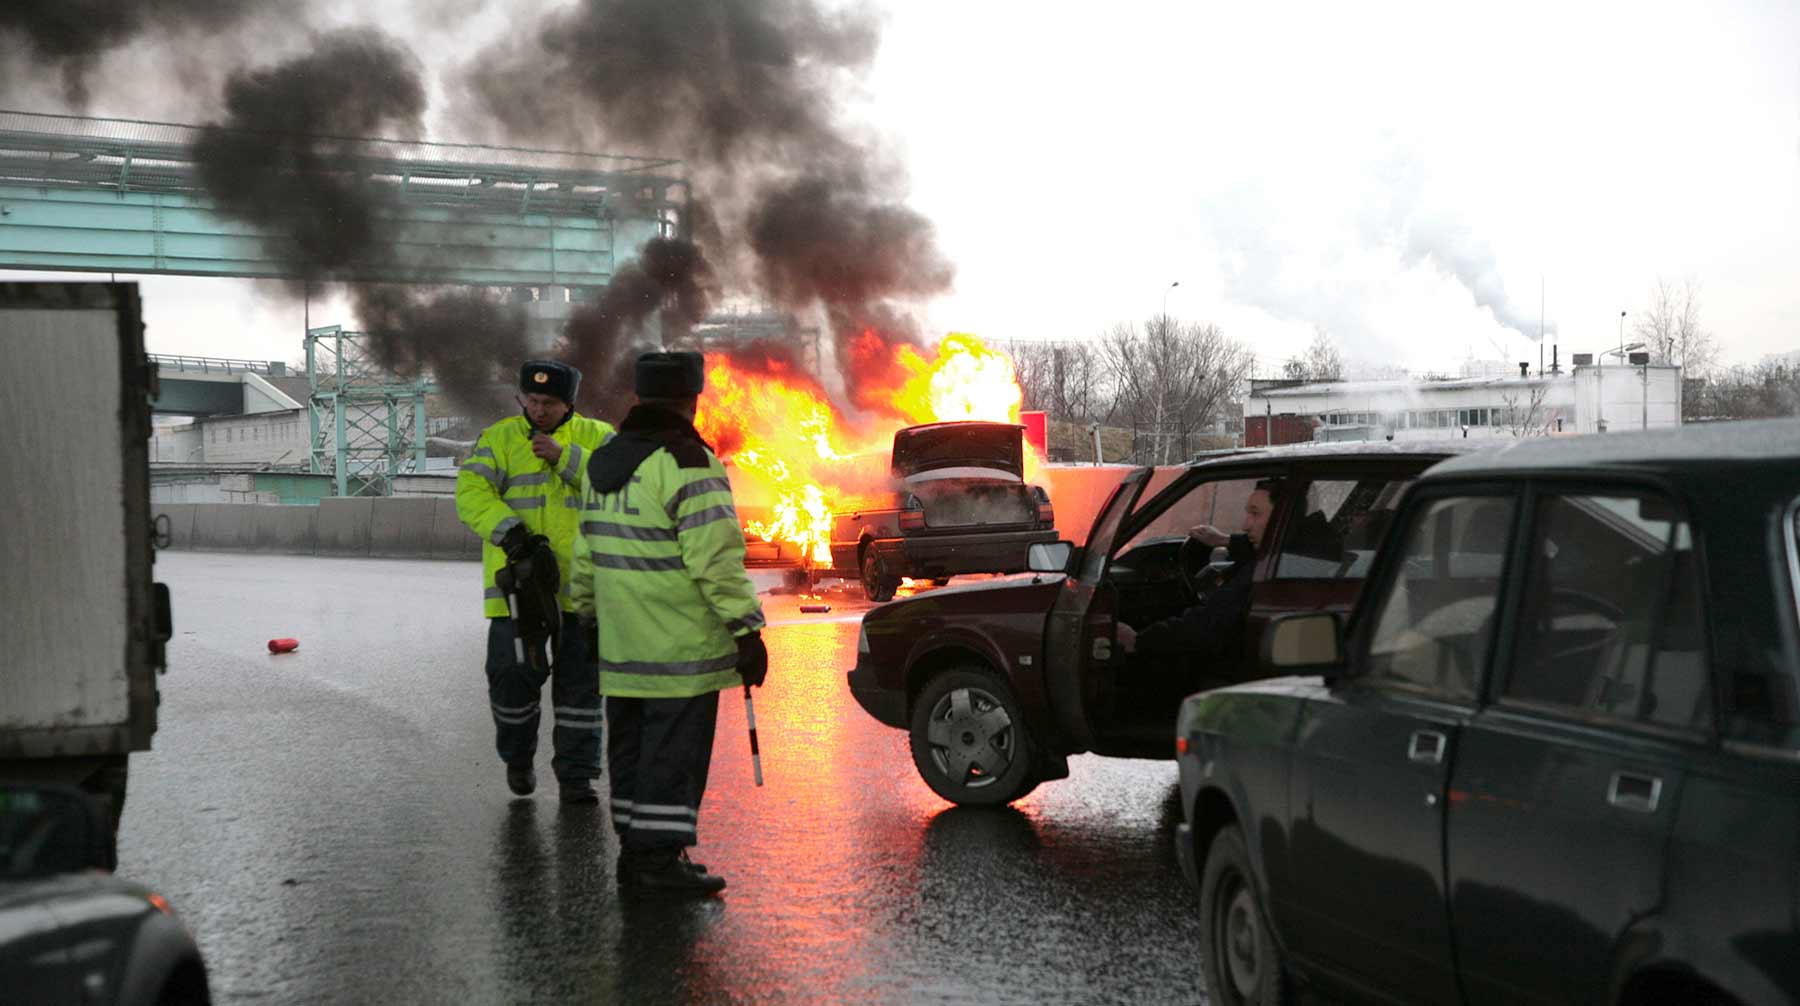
721,81
835,241
750,95
69,37
285,158
466,339
670,279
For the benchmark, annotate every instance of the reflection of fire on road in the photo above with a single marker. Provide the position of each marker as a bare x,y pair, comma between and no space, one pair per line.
800,454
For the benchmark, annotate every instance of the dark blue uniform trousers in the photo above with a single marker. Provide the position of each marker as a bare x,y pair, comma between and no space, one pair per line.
514,690
659,753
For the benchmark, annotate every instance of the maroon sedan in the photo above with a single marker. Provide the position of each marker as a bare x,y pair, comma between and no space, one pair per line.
998,682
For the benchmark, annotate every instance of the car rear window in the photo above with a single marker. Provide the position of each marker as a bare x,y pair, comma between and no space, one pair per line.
1337,528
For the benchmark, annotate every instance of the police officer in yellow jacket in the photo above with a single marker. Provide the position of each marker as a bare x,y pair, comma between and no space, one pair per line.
523,480
664,565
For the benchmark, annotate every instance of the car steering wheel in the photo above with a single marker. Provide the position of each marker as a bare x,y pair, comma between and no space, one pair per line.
1565,600
1193,559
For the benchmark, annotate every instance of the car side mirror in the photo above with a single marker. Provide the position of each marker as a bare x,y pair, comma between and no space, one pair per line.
50,828
1311,641
1049,557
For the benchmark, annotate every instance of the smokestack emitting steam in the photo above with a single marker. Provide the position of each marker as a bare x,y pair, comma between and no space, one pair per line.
1456,252
748,95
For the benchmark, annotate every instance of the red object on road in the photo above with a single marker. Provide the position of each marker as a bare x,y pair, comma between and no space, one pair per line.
283,645
815,609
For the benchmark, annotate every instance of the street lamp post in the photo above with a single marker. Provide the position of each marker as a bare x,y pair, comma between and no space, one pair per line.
1165,300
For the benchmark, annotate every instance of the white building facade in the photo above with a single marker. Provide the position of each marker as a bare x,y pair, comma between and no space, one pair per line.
1590,399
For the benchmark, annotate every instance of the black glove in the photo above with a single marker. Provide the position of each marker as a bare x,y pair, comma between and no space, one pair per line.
753,659
515,542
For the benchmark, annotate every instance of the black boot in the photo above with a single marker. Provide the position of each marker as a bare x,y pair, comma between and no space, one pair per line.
577,791
626,864
666,872
521,779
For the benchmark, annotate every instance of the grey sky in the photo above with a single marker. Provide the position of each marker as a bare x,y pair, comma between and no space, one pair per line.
1292,165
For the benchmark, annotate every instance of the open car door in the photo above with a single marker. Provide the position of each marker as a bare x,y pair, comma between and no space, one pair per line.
1080,630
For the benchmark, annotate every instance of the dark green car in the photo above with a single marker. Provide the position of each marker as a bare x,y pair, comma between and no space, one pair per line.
1553,756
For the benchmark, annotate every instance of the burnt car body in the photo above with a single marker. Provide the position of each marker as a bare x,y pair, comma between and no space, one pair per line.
1553,755
999,682
70,931
959,503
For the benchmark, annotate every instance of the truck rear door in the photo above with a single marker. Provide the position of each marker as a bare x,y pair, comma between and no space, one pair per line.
77,605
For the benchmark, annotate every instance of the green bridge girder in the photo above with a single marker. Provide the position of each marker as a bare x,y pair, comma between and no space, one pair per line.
111,195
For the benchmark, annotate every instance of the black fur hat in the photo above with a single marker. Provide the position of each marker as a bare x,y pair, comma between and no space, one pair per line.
670,375
550,377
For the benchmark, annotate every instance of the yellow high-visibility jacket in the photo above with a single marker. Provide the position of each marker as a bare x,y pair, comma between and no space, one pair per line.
663,560
503,484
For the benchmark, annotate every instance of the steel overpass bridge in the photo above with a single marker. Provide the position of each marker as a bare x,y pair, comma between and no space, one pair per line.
118,195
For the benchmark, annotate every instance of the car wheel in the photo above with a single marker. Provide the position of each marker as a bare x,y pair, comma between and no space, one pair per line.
877,585
969,739
1240,959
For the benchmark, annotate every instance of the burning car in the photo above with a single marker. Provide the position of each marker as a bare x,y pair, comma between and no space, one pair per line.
959,504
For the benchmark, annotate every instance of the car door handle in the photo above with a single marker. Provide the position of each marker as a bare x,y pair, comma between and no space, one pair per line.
1632,791
1426,746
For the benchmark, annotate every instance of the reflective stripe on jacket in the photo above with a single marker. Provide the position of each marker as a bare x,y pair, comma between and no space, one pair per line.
503,484
664,564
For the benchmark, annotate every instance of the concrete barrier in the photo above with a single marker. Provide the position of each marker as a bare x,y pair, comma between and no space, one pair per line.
343,527
224,526
450,538
285,530
400,527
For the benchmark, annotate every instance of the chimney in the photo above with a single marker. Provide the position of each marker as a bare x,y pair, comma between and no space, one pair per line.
1524,368
1555,368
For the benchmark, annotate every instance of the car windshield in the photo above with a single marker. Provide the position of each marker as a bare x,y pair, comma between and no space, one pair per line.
43,831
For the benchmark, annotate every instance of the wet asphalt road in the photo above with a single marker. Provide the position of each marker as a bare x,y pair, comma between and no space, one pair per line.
334,826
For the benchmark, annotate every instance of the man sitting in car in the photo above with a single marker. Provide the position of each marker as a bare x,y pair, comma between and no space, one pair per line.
1213,629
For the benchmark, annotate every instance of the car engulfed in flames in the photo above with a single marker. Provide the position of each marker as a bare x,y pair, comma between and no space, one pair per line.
798,455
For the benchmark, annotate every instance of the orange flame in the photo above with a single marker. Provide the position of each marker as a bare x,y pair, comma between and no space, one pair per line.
800,457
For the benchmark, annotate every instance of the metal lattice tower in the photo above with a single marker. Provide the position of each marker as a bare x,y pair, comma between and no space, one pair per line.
367,425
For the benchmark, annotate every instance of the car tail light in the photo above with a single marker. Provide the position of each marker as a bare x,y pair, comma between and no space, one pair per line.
159,903
1181,745
912,514
1046,512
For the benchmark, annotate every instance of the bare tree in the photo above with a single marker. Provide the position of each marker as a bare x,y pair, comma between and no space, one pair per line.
1171,380
1321,360
1768,390
1670,328
1524,414
1065,380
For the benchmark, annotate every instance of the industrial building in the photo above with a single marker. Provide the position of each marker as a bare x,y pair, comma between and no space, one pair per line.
1590,398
